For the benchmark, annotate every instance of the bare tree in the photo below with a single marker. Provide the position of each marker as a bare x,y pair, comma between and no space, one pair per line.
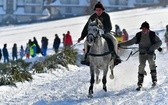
90,9
163,3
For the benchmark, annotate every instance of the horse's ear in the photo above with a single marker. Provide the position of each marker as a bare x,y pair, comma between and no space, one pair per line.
97,21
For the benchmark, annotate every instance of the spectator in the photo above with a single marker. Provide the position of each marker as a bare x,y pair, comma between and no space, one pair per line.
22,52
33,49
5,53
56,43
27,51
14,51
63,39
38,50
68,39
118,31
125,35
44,42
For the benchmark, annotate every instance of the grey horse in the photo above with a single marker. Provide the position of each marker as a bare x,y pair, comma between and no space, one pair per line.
100,57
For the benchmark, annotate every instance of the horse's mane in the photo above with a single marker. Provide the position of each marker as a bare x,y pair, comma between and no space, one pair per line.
96,22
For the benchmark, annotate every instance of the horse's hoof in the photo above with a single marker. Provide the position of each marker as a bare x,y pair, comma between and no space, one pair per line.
90,96
105,89
111,76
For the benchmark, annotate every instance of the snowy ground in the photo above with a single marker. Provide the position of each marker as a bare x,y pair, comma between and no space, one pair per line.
62,87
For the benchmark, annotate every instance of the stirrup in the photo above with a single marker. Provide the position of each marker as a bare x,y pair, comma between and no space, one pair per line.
117,61
85,63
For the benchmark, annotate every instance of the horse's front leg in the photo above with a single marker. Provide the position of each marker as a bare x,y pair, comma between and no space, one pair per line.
104,80
91,83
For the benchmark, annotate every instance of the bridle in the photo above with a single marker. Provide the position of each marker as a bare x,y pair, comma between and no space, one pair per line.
97,32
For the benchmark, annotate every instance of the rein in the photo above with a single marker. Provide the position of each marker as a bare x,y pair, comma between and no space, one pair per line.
103,54
131,54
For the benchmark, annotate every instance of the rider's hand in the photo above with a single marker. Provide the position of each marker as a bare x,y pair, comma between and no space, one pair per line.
79,40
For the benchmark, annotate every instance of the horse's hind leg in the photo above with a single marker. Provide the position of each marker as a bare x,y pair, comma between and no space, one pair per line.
112,74
97,76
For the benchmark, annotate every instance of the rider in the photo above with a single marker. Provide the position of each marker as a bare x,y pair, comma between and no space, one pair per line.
105,19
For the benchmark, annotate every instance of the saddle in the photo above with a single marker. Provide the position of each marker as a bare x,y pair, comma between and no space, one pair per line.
117,59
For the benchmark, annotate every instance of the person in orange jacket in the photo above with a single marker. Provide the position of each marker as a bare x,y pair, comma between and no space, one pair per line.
68,40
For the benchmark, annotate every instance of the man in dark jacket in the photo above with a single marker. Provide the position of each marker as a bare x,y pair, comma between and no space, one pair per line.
56,43
14,51
147,49
105,19
5,53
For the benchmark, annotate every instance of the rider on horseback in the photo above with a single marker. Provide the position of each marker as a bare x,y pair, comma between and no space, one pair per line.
105,19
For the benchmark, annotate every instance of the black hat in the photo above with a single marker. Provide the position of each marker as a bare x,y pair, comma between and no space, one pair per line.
145,25
99,5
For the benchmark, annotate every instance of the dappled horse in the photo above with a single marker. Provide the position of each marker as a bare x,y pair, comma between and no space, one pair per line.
100,57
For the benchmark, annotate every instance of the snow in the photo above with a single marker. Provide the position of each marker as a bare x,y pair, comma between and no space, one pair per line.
63,87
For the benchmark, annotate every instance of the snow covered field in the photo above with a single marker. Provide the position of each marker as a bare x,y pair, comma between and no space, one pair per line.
63,87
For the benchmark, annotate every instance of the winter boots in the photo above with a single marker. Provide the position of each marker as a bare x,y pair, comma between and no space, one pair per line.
141,78
140,81
85,61
154,77
117,60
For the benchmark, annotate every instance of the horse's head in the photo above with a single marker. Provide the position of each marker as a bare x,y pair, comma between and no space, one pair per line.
95,30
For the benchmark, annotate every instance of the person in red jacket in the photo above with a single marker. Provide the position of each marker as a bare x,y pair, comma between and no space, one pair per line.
68,40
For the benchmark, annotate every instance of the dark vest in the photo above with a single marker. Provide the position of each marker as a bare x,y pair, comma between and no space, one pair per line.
151,36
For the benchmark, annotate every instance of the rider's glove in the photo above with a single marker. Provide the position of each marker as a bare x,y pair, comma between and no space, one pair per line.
79,40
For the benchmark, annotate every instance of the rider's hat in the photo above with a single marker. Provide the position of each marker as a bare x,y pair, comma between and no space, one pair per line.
99,5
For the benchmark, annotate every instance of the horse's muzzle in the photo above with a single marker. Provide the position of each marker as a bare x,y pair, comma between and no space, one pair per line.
90,38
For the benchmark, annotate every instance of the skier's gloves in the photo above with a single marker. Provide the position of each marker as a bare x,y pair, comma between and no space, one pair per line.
160,49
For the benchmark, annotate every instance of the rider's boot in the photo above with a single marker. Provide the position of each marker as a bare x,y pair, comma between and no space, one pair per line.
85,61
117,59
